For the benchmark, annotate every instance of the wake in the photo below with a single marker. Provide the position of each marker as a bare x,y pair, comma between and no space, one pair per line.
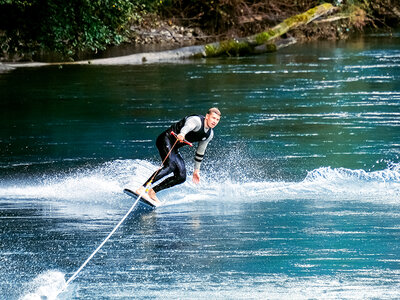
104,184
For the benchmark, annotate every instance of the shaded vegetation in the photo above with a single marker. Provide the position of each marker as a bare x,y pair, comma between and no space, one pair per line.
66,27
225,16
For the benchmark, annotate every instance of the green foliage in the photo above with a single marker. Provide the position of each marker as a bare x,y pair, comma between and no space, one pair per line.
83,24
66,27
20,3
148,5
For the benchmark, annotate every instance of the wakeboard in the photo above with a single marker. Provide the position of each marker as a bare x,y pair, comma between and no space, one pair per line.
148,203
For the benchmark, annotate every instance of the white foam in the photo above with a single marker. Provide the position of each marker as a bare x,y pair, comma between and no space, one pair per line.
323,183
47,286
104,184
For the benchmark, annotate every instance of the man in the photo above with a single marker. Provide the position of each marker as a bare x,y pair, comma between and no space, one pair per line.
194,128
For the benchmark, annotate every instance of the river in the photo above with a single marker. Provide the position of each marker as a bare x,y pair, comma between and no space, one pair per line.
300,190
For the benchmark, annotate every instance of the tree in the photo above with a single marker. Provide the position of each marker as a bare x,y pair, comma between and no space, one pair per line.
66,27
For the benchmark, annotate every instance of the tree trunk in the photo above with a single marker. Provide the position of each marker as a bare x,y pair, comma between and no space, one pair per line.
266,41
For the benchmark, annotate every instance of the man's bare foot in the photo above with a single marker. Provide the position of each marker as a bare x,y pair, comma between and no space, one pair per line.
141,191
152,195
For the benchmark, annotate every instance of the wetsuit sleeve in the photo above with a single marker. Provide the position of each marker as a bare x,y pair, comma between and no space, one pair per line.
201,149
192,123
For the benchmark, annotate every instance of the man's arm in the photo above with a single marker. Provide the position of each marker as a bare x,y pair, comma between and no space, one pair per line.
198,158
192,123
201,149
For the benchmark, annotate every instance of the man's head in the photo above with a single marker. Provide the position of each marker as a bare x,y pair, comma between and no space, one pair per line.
212,117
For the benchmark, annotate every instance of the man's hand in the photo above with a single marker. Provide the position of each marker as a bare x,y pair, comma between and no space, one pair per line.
196,176
180,137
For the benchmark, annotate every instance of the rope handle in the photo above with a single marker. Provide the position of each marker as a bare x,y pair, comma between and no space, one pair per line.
184,141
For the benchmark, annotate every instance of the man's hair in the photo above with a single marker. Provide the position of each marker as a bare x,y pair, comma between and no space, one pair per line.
214,110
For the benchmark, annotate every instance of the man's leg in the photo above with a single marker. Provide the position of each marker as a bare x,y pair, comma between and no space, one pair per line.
164,146
179,169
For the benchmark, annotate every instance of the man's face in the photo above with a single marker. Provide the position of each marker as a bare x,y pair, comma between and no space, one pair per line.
212,120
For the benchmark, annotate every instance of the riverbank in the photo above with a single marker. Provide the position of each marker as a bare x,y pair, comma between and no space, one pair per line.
343,22
168,36
268,41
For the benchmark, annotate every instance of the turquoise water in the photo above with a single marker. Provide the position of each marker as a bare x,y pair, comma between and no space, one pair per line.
300,191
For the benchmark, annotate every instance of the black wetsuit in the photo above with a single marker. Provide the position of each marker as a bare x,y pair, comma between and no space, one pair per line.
175,163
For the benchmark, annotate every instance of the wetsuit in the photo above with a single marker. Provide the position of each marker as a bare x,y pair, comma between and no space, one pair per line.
194,130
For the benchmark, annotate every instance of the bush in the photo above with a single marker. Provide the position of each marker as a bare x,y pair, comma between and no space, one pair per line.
66,27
